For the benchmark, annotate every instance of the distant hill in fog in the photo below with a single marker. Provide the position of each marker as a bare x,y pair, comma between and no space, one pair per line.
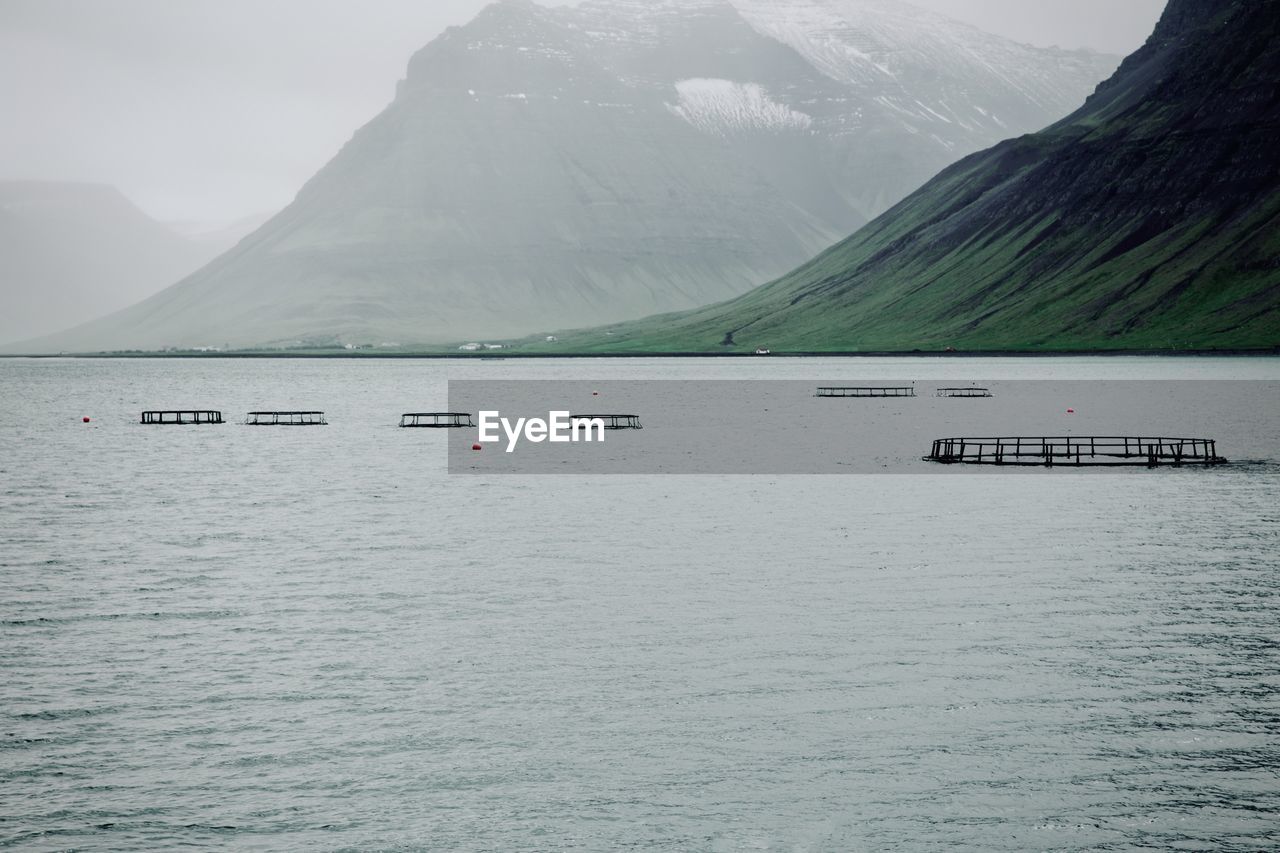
72,252
549,167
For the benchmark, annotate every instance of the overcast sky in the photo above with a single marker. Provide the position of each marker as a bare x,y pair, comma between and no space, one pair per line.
212,110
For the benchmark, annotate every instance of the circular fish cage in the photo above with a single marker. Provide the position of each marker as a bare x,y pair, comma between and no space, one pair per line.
1075,451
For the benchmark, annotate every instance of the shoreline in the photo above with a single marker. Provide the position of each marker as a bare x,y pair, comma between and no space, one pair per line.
1231,353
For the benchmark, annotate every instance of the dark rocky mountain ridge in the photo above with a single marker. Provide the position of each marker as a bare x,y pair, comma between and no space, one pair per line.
1149,218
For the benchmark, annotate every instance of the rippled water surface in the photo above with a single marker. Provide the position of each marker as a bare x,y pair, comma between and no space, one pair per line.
316,638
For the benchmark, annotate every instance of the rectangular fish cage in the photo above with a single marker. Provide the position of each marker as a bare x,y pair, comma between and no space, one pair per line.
436,420
1076,451
866,391
285,419
182,416
611,421
967,393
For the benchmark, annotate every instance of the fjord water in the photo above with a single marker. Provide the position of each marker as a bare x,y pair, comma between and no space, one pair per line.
287,638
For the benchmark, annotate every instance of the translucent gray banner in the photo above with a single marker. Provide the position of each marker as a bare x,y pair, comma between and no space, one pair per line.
859,427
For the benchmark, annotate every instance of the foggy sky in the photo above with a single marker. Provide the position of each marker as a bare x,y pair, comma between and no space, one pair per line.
212,110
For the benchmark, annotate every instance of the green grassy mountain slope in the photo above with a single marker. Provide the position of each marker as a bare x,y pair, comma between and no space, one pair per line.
1148,219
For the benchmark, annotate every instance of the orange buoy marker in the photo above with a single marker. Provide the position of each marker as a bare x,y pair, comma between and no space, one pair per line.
86,420
477,447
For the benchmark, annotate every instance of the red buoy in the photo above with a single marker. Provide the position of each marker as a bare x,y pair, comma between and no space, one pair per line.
86,420
595,393
1071,411
477,447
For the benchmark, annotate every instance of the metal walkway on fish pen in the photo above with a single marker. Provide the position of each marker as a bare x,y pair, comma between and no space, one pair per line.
867,391
436,420
1076,451
966,393
285,419
611,421
182,416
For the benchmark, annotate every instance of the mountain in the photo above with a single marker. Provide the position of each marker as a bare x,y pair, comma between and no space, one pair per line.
219,237
70,252
1149,218
542,167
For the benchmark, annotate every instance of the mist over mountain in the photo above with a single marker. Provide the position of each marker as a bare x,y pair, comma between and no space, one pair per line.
1150,218
70,252
542,168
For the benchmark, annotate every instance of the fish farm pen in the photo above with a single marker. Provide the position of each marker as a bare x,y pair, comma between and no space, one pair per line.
285,419
967,393
867,391
436,420
184,416
1076,451
611,421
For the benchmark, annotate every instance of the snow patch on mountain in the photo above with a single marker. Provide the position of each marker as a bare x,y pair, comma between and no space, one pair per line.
836,39
918,63
722,106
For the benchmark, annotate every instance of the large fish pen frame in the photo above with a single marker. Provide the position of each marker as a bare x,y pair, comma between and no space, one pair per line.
436,420
866,391
1076,451
969,393
183,416
285,419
